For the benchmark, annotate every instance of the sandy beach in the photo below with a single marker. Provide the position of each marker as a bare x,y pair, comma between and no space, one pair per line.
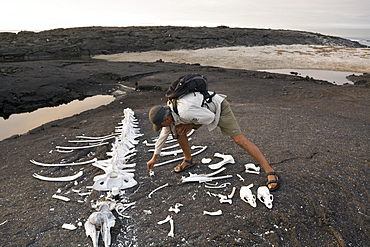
313,133
260,57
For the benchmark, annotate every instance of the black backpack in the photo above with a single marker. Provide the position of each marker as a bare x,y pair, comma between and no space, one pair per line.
187,84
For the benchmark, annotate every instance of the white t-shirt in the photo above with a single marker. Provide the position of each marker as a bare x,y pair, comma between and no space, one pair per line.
191,111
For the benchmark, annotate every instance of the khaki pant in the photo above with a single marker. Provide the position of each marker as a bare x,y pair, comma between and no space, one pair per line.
227,123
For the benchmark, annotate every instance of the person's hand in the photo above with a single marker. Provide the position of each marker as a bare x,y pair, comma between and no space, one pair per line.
150,164
182,129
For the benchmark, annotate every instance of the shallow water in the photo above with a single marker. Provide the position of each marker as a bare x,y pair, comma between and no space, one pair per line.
22,123
336,77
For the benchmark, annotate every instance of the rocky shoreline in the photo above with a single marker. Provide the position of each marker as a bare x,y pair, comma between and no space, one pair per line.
89,41
313,133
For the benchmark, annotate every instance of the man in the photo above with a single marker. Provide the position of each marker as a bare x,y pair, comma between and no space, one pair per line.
192,115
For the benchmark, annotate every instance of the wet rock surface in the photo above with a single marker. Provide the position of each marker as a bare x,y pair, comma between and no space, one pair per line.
314,134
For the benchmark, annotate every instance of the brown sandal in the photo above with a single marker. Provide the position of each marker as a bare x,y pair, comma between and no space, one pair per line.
184,167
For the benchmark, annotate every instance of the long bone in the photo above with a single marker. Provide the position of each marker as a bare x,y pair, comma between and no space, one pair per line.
181,158
92,140
171,233
160,187
59,179
218,212
97,137
263,194
217,186
82,147
226,159
247,196
64,164
204,177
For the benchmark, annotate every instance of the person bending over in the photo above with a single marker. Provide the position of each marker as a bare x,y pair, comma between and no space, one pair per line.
192,115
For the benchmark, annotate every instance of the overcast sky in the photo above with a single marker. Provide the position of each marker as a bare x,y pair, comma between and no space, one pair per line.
346,18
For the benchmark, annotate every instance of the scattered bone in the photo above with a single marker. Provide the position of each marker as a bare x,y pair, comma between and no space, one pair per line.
69,226
96,138
204,177
252,168
176,209
82,147
169,219
64,164
63,198
90,140
120,208
64,151
247,196
181,158
218,212
59,179
172,230
160,187
240,177
226,159
175,152
217,187
263,194
231,195
206,160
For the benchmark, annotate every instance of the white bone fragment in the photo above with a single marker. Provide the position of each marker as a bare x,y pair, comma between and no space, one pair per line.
218,212
120,208
252,168
171,233
240,177
96,138
263,194
204,177
151,173
225,200
226,159
64,164
59,179
175,209
217,187
167,219
93,139
82,147
231,195
3,222
64,151
175,152
206,160
63,198
247,196
181,158
69,226
160,187
172,230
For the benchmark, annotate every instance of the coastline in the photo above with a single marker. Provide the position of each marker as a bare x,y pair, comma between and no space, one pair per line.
313,133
